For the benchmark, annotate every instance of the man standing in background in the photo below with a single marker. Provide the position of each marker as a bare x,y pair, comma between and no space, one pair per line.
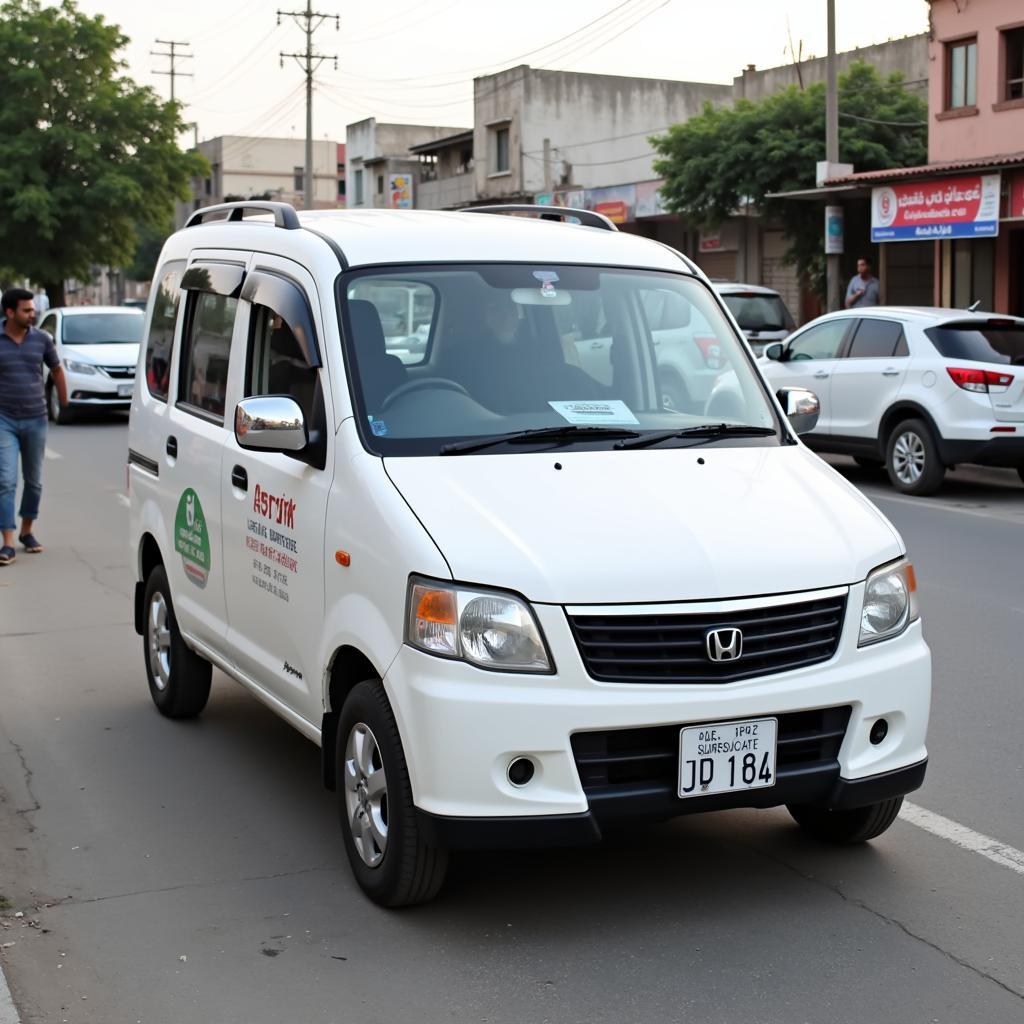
863,289
23,351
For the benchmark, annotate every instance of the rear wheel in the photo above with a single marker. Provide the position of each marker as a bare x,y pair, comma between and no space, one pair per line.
855,825
912,458
179,679
395,864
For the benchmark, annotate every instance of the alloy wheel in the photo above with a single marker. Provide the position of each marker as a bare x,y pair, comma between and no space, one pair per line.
908,458
366,795
158,636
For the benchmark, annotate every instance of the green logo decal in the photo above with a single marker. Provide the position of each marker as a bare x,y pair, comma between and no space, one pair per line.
191,538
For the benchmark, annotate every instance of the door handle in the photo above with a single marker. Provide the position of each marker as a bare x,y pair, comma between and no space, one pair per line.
890,373
172,446
821,375
239,478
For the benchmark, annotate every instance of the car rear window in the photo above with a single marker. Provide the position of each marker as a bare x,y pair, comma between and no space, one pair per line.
983,343
757,312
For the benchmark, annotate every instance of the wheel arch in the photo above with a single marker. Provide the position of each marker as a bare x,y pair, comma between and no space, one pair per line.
149,558
899,412
347,667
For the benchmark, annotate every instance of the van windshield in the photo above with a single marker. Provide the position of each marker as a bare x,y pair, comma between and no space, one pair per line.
451,352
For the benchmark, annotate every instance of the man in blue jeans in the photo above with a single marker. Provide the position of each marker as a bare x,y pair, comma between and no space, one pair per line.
23,351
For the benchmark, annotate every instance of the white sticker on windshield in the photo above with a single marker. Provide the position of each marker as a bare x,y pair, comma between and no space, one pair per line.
600,413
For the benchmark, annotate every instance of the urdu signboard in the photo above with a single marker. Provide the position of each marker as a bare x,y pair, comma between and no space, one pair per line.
966,206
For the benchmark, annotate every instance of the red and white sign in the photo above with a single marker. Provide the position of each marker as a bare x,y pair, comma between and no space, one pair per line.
1016,208
962,207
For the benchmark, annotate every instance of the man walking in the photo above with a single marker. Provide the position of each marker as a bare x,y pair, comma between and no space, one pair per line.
23,351
863,289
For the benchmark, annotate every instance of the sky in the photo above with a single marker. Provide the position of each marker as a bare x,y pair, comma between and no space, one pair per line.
414,62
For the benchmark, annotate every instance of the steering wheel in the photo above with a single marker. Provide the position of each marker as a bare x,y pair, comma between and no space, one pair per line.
421,383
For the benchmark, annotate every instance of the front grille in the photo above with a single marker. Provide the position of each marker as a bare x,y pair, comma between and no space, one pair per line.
620,762
672,648
119,372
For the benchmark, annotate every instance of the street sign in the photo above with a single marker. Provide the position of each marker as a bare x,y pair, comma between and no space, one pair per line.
833,231
961,207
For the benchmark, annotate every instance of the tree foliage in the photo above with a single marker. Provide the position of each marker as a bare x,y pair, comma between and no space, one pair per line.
724,157
90,158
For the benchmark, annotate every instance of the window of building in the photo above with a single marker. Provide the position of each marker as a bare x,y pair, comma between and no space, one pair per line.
204,359
428,167
877,339
973,272
1013,62
341,188
359,188
500,150
380,184
962,73
465,161
299,182
161,333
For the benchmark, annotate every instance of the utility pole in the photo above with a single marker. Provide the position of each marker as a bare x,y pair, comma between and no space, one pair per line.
831,147
309,21
174,56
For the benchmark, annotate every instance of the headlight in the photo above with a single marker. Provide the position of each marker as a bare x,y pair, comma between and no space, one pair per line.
890,602
487,628
76,367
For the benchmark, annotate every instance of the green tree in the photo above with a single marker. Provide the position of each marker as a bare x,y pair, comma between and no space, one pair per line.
89,157
728,156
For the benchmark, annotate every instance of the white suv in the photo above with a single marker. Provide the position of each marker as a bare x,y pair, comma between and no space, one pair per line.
917,389
512,600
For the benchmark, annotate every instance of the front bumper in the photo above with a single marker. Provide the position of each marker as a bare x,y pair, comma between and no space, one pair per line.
461,727
97,389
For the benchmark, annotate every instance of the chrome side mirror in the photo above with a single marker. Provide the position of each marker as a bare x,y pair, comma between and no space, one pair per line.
271,423
802,408
774,351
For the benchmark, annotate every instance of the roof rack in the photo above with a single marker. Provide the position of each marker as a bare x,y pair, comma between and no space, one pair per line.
284,213
560,213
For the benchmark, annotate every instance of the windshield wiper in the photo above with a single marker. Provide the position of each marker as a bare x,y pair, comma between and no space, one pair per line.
708,430
538,434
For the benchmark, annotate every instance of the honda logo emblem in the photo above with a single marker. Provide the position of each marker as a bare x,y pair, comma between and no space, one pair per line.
724,644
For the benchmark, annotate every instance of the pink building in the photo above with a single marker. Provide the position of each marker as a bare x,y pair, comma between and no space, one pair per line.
959,219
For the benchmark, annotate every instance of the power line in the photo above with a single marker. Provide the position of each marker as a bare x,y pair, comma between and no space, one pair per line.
174,56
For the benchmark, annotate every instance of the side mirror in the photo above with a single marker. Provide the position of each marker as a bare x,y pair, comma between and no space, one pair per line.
801,407
271,423
774,351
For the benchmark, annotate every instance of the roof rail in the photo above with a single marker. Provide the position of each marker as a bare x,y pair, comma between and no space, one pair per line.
284,213
559,213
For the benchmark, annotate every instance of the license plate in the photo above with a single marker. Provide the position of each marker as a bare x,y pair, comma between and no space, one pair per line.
124,390
727,757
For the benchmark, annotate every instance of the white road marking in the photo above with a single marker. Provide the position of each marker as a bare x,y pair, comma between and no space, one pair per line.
961,835
51,454
1009,517
8,1012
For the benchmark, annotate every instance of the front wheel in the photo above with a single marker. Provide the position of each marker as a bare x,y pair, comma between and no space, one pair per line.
846,827
56,412
179,679
395,864
912,459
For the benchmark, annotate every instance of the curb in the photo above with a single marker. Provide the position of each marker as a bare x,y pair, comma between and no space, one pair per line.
8,1011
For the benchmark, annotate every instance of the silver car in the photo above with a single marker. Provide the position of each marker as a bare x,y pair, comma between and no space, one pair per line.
760,312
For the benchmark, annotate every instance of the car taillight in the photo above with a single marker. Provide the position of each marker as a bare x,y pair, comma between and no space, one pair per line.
980,381
711,350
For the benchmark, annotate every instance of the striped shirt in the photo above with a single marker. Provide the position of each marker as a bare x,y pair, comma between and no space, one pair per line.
21,373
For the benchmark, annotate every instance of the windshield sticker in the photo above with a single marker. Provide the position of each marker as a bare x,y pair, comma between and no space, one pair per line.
602,413
547,280
191,538
274,552
378,428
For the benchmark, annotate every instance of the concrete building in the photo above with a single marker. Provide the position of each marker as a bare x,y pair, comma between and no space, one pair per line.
247,167
381,170
444,178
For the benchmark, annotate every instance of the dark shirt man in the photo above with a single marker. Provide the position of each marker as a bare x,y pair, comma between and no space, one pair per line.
863,289
23,352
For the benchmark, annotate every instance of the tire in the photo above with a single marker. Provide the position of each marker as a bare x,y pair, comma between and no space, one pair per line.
866,462
856,825
179,679
395,864
54,411
1020,473
674,395
912,458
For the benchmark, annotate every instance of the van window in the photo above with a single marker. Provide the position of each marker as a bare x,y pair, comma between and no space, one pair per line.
207,347
276,364
161,332
406,311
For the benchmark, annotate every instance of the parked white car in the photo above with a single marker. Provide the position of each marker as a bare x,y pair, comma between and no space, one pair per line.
99,349
916,389
514,601
760,312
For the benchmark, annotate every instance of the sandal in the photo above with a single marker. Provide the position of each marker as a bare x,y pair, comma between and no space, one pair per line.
30,544
7,554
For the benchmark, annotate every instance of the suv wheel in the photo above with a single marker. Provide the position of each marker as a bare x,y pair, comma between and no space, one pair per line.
674,395
179,679
912,458
53,407
395,864
855,825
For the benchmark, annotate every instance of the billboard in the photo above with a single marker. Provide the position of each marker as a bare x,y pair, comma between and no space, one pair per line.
966,206
400,190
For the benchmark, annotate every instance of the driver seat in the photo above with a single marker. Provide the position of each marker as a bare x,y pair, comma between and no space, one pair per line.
379,372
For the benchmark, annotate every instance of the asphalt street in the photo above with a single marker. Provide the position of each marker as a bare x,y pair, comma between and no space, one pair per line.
171,873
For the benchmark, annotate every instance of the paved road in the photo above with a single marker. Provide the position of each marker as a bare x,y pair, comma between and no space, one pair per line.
193,872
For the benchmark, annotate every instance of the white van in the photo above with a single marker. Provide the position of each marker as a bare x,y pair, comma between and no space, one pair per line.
513,598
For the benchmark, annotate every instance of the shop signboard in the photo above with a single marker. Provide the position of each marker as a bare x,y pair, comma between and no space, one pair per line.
400,188
966,206
617,203
648,199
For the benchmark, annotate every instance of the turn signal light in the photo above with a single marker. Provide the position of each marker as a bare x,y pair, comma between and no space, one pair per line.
435,606
980,381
